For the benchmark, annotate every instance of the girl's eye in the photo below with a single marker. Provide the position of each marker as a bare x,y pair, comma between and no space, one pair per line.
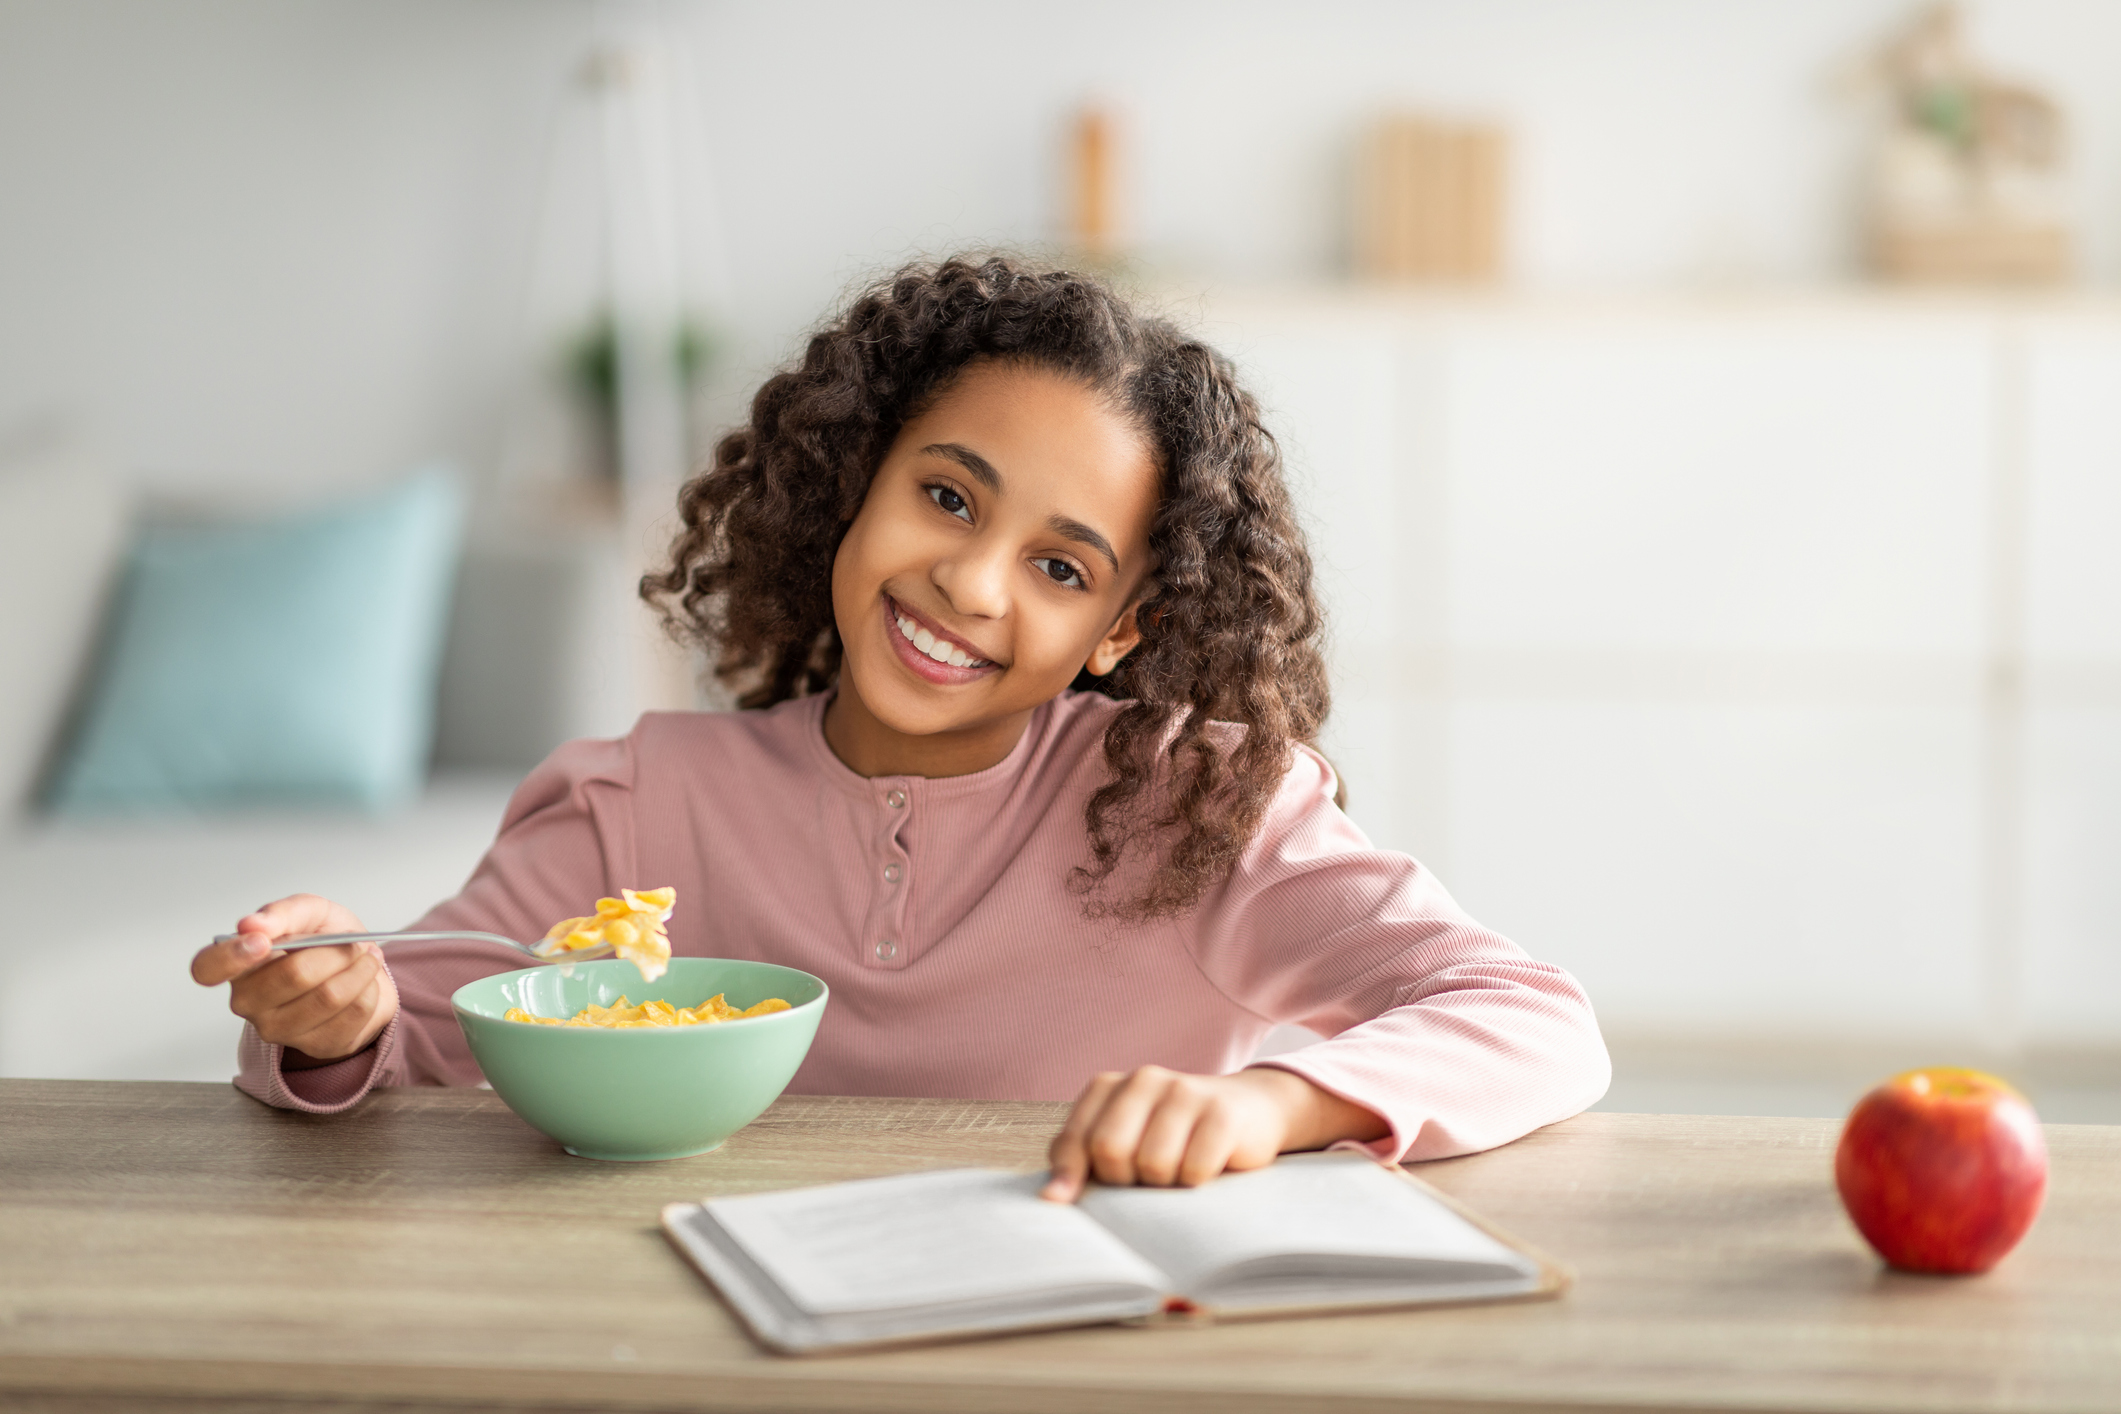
950,501
1059,571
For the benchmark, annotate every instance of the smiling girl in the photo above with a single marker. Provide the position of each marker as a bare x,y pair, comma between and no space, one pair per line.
1023,629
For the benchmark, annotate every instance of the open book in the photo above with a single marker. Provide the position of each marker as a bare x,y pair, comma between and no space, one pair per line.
964,1252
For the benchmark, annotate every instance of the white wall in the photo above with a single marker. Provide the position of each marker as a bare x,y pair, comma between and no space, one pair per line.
247,240
271,242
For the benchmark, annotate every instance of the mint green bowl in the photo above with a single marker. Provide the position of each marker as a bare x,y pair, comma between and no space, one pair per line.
645,1092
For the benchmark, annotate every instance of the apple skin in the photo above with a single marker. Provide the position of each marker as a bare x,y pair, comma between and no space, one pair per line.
1942,1170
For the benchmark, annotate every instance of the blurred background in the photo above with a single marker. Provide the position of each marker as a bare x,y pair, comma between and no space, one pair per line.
1708,414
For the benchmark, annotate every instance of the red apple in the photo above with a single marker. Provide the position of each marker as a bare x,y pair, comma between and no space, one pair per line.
1942,1169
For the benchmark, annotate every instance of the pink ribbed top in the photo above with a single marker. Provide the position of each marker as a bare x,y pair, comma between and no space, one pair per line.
939,913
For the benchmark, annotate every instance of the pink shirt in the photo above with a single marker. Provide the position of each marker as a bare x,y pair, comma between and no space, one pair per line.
961,964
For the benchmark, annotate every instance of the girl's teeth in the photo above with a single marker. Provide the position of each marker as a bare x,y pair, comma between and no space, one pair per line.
941,650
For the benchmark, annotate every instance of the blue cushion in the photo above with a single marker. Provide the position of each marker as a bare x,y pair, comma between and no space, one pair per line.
285,662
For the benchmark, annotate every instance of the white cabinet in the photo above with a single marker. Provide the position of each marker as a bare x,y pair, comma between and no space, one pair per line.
1696,485
2072,758
1760,661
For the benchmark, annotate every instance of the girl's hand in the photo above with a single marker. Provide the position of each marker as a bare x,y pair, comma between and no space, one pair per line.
323,1004
1163,1127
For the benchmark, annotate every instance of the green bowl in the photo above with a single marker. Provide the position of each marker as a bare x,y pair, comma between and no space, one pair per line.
643,1092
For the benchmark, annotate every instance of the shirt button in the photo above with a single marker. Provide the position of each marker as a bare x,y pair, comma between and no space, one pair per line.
886,950
895,799
891,873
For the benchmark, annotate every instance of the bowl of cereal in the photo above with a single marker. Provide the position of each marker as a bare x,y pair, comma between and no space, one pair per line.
617,1067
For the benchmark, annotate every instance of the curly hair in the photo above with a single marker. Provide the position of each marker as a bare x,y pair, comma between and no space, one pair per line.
1229,632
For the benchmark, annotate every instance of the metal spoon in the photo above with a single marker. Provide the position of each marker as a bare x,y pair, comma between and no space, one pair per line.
543,950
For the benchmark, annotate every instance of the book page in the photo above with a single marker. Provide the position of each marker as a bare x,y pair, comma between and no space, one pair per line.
1333,1213
781,1324
926,1239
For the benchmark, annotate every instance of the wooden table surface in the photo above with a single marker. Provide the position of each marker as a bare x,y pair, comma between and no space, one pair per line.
180,1246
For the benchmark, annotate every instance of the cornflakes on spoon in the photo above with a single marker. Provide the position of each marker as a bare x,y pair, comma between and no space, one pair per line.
631,925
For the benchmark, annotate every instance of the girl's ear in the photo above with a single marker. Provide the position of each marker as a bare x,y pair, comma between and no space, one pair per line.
1118,642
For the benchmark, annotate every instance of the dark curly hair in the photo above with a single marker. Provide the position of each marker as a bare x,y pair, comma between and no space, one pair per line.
1230,629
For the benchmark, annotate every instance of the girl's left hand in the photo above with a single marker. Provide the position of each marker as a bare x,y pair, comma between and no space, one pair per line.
1164,1127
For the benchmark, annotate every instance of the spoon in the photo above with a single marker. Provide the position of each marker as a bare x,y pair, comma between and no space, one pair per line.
544,950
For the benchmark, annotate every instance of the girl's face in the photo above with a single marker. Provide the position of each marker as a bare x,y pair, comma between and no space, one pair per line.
1002,546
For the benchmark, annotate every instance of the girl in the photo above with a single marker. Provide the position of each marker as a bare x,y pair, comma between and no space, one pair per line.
1023,628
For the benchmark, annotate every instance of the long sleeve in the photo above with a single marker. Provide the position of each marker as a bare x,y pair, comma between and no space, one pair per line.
961,960
566,836
1446,1029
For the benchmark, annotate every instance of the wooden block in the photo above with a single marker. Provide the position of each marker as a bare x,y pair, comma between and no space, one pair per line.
1976,253
1095,208
1428,200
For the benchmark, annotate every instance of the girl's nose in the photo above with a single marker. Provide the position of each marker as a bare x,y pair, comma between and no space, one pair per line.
975,581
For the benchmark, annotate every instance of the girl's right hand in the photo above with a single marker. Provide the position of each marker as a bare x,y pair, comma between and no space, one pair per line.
322,1004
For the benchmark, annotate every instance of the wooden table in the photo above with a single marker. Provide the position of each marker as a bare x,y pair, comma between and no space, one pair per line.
180,1246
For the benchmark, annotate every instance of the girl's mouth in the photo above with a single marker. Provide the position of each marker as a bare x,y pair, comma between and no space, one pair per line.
954,667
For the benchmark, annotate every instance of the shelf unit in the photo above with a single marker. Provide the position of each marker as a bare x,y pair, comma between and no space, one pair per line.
1756,656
